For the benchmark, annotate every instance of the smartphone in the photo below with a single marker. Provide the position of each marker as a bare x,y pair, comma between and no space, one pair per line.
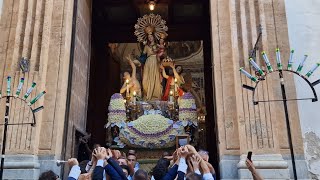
249,155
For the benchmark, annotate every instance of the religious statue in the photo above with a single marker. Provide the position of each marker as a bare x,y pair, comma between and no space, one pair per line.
150,29
174,81
131,84
151,81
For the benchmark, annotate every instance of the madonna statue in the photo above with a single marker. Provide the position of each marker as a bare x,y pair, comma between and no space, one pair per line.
151,81
148,30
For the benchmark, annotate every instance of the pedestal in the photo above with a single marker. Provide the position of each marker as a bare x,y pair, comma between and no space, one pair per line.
28,167
269,166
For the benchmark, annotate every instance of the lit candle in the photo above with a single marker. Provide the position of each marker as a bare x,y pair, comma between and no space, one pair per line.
8,85
255,65
134,98
301,63
254,79
171,96
290,62
175,85
29,90
266,60
19,87
313,69
34,100
127,84
279,65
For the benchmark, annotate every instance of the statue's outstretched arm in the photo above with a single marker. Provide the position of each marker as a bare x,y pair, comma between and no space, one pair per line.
133,66
164,74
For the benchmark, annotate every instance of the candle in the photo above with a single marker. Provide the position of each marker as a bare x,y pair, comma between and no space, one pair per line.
266,60
134,98
127,84
29,90
171,96
175,85
254,79
278,59
301,63
290,62
8,85
34,100
313,69
255,65
19,87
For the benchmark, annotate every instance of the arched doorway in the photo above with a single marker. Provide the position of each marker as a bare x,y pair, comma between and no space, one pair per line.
112,22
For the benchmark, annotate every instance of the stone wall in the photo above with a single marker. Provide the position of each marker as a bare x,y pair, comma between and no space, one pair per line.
304,37
41,31
243,126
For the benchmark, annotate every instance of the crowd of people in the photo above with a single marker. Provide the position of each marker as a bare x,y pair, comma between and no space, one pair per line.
185,163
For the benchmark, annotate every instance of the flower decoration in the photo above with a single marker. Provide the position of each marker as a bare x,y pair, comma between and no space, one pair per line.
188,110
117,111
151,131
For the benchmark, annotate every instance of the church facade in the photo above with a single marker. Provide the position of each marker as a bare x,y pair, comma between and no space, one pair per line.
56,36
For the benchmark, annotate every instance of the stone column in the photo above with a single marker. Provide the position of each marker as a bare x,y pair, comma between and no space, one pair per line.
41,31
243,126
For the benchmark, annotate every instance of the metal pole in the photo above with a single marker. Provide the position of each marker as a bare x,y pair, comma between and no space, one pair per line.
4,138
285,106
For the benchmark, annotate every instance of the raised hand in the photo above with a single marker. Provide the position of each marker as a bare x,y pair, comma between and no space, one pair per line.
109,154
184,152
191,149
100,153
129,58
73,162
195,161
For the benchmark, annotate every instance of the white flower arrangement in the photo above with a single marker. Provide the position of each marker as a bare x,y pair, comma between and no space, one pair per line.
151,131
117,111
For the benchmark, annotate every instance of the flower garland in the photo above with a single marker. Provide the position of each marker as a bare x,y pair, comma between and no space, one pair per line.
117,111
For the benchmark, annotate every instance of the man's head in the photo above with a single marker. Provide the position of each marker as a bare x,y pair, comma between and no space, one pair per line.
122,161
132,159
204,155
161,169
140,175
132,152
48,175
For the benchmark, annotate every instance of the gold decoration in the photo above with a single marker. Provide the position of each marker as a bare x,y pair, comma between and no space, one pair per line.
167,62
149,24
163,35
149,30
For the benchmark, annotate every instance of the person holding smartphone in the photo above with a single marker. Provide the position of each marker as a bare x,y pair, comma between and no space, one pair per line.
252,169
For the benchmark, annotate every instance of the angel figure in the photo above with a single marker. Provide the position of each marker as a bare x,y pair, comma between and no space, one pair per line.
134,84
